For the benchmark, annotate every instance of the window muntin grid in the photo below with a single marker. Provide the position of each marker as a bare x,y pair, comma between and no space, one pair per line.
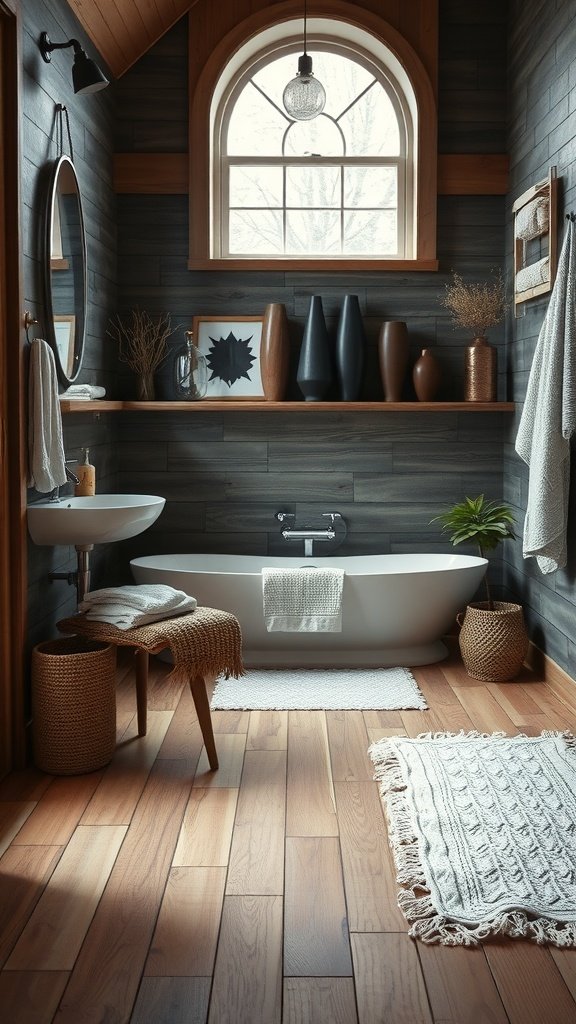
337,186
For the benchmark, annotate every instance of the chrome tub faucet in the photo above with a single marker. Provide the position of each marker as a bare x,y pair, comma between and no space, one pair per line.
309,534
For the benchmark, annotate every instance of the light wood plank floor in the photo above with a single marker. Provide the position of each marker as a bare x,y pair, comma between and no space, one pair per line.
157,892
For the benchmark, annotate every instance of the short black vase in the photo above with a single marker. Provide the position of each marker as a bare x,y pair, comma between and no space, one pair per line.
314,373
350,349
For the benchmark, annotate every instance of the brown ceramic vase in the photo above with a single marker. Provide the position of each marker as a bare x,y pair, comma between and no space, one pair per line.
426,376
393,352
274,352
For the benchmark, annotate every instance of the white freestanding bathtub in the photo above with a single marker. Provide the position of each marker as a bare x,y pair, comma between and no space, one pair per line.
395,608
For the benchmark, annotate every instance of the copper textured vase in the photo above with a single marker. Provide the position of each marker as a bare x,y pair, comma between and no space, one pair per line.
480,372
274,352
426,376
393,352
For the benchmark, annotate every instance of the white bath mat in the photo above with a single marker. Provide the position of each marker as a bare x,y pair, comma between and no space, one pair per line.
482,829
330,689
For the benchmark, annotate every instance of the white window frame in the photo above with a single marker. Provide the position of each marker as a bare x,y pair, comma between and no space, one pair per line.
229,47
222,161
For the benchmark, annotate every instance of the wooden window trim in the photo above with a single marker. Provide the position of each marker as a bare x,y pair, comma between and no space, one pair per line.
200,143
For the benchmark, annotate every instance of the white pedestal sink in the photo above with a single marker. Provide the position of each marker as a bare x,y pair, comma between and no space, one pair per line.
98,519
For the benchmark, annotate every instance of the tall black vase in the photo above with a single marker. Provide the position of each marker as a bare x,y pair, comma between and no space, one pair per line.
350,349
314,374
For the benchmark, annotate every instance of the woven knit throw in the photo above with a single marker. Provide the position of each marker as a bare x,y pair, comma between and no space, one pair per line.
483,830
208,641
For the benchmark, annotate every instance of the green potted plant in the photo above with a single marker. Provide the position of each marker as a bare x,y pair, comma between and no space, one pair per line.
493,639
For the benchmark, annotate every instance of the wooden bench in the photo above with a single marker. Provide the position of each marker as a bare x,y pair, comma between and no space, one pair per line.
204,642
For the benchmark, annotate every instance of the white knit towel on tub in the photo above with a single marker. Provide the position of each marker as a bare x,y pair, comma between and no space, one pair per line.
304,600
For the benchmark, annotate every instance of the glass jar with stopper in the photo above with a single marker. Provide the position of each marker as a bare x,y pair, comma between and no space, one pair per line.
190,372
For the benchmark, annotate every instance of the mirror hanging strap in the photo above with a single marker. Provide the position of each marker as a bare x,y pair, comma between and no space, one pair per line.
62,113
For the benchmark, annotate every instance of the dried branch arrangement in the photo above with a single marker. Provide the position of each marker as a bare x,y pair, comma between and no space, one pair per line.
142,341
475,307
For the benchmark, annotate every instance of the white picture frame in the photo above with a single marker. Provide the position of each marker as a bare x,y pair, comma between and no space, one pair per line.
231,346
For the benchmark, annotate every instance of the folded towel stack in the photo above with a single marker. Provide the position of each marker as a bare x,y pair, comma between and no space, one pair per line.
128,607
304,600
83,392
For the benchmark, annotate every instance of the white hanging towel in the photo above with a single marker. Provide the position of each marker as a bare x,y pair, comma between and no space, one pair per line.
45,445
549,419
304,600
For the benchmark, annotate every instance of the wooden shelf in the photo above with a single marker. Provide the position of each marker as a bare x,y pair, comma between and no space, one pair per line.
208,405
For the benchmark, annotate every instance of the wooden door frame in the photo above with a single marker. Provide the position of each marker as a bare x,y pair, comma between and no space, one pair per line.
13,543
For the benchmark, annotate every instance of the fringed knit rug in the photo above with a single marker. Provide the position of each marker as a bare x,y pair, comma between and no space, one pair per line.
483,830
321,688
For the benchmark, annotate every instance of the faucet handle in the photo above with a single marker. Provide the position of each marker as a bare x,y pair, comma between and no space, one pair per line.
281,516
332,515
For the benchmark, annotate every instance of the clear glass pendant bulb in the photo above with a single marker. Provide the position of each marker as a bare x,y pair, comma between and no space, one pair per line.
304,97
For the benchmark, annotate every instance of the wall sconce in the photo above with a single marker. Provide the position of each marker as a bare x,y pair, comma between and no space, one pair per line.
86,75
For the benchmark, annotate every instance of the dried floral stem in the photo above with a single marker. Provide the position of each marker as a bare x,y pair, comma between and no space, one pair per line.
142,341
475,307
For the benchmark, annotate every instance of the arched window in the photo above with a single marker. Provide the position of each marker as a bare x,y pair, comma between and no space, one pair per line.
355,187
337,186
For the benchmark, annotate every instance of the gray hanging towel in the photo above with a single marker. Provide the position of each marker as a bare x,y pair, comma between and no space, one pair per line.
549,419
46,468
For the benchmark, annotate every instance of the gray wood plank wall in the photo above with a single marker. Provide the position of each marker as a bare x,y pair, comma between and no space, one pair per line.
91,123
226,474
542,132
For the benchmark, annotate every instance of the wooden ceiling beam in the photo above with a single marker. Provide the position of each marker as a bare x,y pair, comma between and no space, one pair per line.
468,174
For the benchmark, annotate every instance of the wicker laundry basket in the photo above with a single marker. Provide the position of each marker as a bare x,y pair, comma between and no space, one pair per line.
73,705
493,642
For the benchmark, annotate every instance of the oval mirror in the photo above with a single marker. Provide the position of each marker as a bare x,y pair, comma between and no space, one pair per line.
65,270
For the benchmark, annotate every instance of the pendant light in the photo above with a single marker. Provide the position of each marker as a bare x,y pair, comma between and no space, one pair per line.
304,96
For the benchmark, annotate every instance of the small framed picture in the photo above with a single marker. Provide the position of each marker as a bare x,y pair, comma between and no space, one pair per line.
231,345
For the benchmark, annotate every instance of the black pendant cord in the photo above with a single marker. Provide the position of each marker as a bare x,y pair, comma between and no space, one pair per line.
305,26
62,113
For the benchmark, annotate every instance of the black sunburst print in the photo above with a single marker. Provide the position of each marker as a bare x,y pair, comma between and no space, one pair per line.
229,359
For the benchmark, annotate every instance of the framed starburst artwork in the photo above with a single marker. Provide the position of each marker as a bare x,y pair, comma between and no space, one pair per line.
231,346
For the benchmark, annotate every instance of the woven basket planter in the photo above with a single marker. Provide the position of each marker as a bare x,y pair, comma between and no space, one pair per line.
493,643
73,705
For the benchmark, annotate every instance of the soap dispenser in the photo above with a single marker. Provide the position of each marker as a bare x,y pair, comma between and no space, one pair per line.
86,474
